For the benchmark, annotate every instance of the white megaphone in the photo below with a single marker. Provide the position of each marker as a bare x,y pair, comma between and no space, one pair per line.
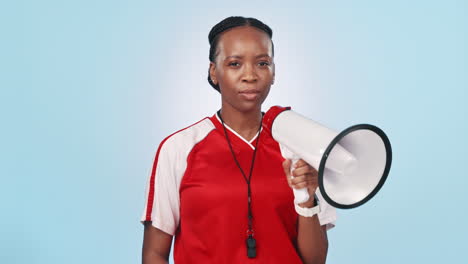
352,165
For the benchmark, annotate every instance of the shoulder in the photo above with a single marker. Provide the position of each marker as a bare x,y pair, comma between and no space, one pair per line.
187,137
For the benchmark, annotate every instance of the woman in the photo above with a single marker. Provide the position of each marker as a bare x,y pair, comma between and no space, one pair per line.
220,186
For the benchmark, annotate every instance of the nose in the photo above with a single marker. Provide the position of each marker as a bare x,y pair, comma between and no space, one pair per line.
249,74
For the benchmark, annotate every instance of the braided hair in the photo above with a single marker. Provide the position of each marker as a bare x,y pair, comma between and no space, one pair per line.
228,23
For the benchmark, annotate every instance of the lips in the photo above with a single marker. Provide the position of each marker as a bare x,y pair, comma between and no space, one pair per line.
250,94
250,91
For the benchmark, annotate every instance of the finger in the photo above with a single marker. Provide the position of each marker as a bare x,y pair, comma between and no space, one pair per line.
303,170
305,177
287,166
304,184
312,181
287,169
298,179
300,163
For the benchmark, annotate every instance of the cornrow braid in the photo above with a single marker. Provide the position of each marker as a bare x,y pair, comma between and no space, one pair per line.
228,23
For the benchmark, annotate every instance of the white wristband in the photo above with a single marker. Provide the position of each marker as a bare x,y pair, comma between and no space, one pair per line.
307,212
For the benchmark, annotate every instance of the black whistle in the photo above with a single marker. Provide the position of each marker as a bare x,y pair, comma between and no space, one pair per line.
251,247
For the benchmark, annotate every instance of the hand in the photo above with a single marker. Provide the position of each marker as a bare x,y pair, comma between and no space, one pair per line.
304,176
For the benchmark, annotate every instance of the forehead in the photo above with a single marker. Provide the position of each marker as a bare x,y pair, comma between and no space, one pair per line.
244,41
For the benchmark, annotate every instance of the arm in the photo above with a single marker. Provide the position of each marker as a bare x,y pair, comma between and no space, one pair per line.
156,245
312,240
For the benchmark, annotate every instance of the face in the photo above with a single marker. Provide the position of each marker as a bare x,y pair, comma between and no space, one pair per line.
243,68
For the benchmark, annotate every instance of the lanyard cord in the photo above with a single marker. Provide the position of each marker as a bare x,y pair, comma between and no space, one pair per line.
247,180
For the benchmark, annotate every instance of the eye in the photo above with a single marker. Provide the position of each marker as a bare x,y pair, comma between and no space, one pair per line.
264,63
234,63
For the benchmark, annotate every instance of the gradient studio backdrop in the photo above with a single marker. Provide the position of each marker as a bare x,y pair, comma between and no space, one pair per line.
90,88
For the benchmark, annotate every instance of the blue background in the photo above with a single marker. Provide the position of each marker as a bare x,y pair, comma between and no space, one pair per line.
90,88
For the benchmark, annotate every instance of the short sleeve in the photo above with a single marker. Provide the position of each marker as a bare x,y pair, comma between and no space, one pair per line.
162,200
327,215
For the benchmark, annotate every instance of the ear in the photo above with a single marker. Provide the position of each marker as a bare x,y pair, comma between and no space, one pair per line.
212,72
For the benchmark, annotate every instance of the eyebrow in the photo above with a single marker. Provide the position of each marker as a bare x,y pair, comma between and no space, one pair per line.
240,57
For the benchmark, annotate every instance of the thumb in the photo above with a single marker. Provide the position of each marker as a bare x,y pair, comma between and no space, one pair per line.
287,170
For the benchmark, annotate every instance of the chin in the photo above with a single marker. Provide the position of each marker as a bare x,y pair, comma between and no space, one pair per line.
249,106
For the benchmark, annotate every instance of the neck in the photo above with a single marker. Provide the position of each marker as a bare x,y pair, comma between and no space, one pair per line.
245,124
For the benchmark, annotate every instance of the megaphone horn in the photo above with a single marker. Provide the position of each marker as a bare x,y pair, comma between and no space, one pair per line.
352,165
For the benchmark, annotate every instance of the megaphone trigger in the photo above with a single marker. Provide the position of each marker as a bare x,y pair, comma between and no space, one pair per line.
300,195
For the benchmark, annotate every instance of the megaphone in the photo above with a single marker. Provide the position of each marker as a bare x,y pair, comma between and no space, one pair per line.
352,165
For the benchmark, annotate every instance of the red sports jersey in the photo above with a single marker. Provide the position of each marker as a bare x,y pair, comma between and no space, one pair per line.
197,193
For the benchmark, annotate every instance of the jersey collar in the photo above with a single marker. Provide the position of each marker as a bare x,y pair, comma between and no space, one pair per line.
250,142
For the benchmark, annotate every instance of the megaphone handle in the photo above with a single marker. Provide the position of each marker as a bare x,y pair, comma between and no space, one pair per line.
300,195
